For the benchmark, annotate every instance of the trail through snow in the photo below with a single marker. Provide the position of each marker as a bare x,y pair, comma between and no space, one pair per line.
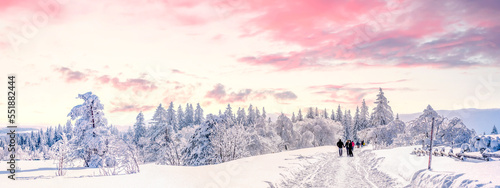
334,171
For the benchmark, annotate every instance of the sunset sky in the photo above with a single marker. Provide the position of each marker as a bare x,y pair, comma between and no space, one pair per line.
282,55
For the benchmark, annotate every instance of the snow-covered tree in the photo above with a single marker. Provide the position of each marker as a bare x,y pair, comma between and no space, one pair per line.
316,113
61,151
332,116
364,116
293,117
139,129
229,112
299,116
356,125
284,128
242,117
310,113
199,150
339,114
198,115
347,122
171,118
251,115
263,113
180,118
382,113
325,114
229,142
189,115
90,135
494,131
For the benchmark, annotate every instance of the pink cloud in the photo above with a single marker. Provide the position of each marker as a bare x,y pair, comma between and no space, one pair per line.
123,107
71,76
386,35
219,94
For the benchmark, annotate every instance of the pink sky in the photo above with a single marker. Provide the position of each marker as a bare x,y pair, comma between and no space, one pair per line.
282,55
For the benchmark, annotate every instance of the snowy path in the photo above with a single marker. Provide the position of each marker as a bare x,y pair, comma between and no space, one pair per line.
334,171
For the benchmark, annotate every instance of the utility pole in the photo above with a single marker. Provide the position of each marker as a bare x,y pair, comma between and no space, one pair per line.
430,152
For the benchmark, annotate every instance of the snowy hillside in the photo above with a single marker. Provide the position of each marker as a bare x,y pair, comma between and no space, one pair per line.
312,167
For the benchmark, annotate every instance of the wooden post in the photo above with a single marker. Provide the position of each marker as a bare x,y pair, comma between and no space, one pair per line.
430,152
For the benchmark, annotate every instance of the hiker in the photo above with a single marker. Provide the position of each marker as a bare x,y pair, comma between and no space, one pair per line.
348,147
357,144
340,144
362,143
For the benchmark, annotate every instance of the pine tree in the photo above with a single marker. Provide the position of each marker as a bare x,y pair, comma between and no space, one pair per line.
180,118
356,125
316,113
171,119
332,116
139,129
325,114
494,131
347,122
310,113
242,117
364,116
257,113
229,112
198,116
189,115
263,113
251,115
293,117
339,114
382,113
299,116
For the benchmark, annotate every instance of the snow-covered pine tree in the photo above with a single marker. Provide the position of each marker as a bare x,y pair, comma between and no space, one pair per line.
189,115
299,116
90,135
364,116
156,135
139,129
382,113
325,114
68,129
198,115
356,125
310,113
339,115
171,118
347,122
332,116
494,131
316,113
264,113
242,117
229,112
293,117
257,114
199,150
180,118
251,115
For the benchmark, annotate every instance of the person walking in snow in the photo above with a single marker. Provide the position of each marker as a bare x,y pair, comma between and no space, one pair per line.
357,144
348,147
340,144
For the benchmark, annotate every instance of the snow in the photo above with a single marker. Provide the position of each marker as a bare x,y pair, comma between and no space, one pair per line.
399,164
311,167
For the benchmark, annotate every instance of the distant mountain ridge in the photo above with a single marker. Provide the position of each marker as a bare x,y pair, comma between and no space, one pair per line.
481,120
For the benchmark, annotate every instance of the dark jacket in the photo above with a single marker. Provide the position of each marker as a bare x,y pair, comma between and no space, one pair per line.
340,144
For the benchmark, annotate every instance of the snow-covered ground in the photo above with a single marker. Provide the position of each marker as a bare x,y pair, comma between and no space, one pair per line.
446,172
312,167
